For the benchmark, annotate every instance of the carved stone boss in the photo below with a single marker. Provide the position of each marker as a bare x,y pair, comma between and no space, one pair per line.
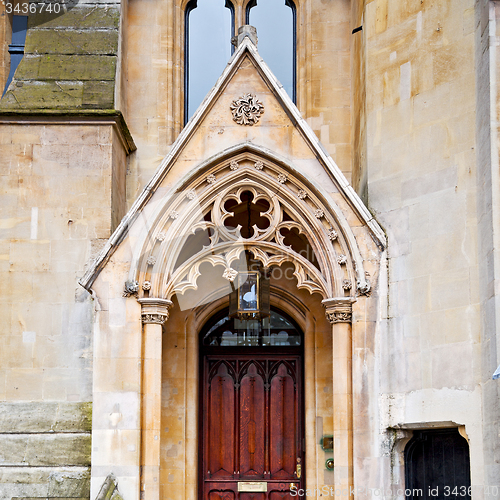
247,110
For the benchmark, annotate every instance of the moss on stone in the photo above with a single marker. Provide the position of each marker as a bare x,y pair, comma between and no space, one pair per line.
78,18
67,67
44,95
70,62
72,42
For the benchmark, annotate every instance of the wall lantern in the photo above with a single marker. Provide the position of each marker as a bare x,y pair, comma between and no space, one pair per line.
249,297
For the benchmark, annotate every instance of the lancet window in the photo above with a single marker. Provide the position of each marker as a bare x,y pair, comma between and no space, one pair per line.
275,21
209,26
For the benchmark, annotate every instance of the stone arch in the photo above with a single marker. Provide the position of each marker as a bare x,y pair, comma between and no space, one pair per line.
296,203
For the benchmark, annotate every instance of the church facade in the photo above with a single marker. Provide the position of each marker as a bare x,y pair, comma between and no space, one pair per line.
284,288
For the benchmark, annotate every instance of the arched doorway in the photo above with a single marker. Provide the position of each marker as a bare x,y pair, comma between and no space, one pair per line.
437,465
251,430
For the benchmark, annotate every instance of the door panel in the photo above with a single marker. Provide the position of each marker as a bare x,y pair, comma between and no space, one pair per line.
252,426
221,495
221,429
282,425
252,418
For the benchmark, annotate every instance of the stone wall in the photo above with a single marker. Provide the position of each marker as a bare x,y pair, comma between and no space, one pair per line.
45,450
487,120
63,190
423,189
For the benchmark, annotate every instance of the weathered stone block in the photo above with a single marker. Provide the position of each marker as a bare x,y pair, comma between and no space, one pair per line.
45,449
78,18
44,95
42,482
98,95
72,42
26,417
67,67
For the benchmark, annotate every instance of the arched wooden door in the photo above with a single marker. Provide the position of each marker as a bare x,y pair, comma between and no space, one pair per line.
252,437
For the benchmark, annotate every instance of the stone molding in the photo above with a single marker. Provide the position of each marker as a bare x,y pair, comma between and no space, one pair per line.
338,310
92,117
155,311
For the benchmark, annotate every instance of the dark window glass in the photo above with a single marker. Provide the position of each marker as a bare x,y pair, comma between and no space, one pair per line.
275,331
16,48
275,23
209,28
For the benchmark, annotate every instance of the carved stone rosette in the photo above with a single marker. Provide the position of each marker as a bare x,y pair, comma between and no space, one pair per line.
247,110
154,311
338,310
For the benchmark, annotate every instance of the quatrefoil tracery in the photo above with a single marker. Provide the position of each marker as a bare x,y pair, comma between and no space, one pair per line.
223,217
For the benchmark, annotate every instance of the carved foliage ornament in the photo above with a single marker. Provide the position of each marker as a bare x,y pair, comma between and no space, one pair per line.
339,316
157,319
247,110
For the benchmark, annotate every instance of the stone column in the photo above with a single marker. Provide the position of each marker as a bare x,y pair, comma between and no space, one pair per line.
154,313
339,314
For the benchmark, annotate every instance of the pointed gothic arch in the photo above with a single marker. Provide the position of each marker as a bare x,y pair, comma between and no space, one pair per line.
197,203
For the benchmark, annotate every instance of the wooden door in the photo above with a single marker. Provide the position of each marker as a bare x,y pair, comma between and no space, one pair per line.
252,431
437,466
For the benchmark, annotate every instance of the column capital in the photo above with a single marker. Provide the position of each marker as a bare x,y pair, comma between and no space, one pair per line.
339,309
154,310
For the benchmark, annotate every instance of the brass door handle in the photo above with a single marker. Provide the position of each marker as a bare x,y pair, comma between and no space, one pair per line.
298,470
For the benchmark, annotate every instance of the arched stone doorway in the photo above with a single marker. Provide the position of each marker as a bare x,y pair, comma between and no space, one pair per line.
183,254
248,204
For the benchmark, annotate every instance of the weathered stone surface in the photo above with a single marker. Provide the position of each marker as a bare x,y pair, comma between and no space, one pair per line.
78,18
66,67
98,94
36,417
70,61
45,449
60,95
72,42
44,95
44,482
109,489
